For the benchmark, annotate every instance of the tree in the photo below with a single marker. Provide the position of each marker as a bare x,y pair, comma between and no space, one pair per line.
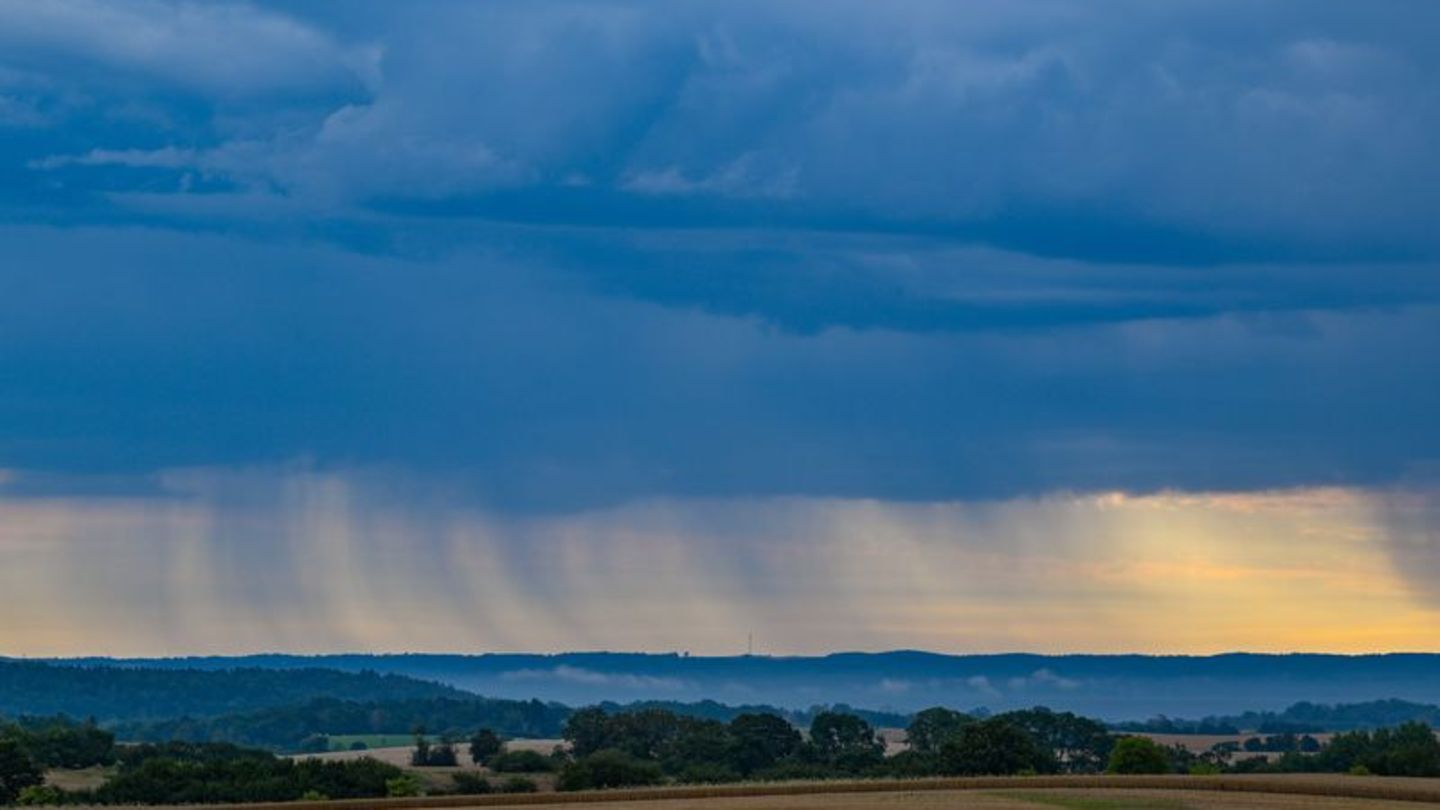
443,755
1408,750
420,756
484,744
845,741
701,747
1138,755
1077,744
993,747
588,730
758,741
932,727
17,771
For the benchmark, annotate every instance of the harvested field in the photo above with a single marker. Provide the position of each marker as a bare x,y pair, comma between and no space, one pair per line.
1300,792
400,754
77,779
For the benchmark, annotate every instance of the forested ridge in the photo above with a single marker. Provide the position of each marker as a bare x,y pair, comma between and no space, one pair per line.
119,693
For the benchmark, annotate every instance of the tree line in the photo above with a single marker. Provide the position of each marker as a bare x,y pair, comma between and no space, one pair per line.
1299,718
655,746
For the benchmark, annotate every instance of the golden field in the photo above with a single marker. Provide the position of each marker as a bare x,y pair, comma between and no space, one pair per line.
1284,792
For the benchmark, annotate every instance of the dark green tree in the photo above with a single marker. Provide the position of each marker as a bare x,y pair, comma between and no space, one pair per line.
484,744
845,741
420,755
1138,755
701,746
17,771
993,747
758,741
443,755
587,730
932,727
1076,744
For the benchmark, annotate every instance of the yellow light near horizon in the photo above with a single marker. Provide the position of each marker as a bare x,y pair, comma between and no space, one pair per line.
329,563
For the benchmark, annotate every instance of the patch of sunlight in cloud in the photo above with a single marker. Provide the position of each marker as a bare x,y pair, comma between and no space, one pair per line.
291,559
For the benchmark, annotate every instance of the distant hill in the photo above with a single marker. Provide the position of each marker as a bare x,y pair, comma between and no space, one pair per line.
1300,718
1113,687
285,706
112,692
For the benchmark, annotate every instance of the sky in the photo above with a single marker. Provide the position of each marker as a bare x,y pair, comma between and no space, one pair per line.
1055,326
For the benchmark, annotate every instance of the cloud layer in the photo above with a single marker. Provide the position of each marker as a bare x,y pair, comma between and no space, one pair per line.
550,260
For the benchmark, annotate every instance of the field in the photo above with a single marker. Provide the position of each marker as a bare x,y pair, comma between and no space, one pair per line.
397,752
1015,800
1200,743
81,779
1288,792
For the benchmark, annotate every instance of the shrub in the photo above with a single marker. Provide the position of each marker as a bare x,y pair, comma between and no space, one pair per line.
608,768
404,786
519,784
521,762
37,795
468,783
792,769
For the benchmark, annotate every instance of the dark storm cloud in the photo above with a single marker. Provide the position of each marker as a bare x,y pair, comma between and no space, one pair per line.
125,354
563,254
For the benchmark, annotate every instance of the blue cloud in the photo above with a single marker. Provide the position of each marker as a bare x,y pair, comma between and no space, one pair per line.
1198,130
578,253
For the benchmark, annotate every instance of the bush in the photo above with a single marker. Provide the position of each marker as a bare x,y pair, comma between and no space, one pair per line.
468,783
521,762
37,795
215,774
707,774
404,786
608,769
519,784
793,769
1138,755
